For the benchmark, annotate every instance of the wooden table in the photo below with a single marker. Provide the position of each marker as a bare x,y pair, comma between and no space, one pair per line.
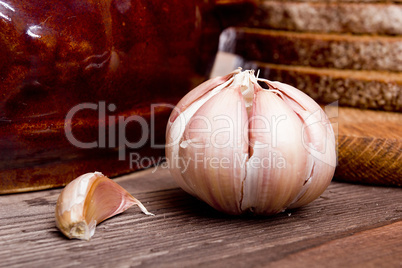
348,226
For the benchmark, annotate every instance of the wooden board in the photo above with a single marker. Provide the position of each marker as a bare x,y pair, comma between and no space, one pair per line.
349,225
369,146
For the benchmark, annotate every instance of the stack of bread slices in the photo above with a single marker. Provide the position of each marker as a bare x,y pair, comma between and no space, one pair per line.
347,50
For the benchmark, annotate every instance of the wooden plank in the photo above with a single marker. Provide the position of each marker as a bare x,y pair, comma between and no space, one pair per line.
187,232
373,248
369,145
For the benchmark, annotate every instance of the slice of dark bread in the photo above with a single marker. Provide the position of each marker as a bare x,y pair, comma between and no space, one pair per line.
358,17
362,89
340,51
337,1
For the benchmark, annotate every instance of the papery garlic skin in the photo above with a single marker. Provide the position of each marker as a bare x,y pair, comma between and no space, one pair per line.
233,118
89,200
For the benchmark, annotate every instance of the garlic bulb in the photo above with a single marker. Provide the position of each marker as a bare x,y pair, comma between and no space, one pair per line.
89,200
240,147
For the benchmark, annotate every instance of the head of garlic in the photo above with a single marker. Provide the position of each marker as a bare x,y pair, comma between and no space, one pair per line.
244,148
88,200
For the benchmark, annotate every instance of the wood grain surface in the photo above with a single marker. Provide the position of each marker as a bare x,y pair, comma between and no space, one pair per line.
348,226
369,145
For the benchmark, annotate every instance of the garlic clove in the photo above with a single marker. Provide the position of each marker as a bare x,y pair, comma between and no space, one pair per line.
311,113
178,122
277,158
198,93
316,125
216,149
89,200
323,157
